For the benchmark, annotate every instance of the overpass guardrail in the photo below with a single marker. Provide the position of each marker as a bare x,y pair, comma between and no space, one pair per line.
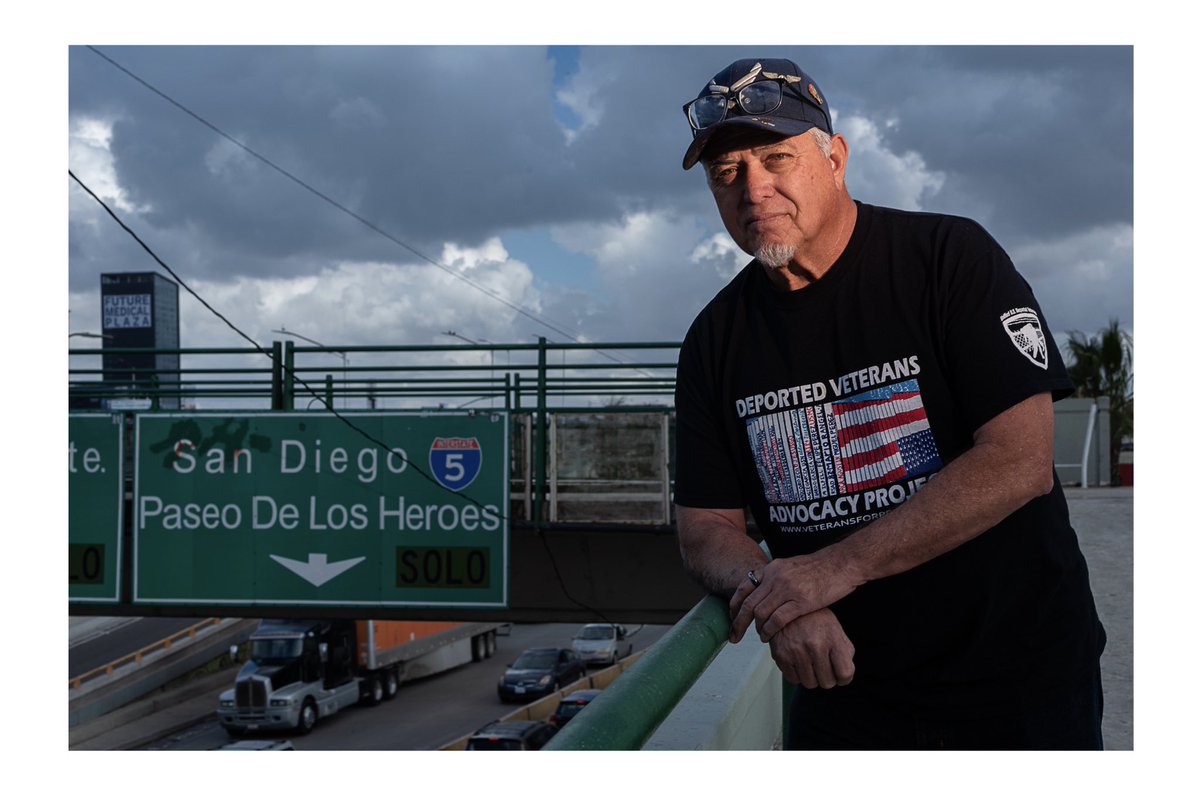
136,657
522,376
633,706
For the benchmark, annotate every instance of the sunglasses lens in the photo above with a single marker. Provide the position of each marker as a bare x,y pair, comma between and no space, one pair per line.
707,111
761,97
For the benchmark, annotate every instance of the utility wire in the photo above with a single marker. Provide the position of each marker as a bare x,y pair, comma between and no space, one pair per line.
253,342
348,211
505,516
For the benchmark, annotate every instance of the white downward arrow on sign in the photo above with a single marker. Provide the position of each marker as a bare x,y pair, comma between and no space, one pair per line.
317,569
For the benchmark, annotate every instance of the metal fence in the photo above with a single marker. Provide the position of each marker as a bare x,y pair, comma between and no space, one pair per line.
610,402
286,375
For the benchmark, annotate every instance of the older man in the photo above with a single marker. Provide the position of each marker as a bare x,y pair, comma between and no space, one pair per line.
876,388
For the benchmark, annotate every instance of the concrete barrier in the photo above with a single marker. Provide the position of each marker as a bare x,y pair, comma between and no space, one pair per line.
544,707
156,669
735,705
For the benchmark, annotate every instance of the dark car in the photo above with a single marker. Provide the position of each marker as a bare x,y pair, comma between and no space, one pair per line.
571,704
511,735
539,672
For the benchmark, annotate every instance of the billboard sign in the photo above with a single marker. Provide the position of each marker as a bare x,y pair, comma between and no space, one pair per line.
301,508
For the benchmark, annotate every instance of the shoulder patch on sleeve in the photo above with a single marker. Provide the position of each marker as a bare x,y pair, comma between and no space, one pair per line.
1024,328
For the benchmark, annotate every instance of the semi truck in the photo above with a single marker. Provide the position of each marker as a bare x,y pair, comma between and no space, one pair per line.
300,671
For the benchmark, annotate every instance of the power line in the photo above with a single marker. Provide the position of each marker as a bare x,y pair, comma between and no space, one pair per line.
250,339
333,202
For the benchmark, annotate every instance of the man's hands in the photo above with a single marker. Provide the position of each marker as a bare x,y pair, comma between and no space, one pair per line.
791,588
813,651
808,644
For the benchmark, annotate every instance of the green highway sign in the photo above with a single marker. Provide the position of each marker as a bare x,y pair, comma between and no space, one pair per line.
305,508
95,507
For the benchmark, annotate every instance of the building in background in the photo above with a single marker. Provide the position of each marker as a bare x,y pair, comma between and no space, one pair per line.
141,310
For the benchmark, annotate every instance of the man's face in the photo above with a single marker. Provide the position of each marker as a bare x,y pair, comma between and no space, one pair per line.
773,191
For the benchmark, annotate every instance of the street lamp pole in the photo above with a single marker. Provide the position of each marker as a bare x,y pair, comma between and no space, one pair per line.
492,360
345,358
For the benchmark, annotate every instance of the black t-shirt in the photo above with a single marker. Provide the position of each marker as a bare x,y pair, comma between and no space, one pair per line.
824,408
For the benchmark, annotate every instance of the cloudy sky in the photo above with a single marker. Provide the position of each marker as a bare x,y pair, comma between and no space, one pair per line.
537,190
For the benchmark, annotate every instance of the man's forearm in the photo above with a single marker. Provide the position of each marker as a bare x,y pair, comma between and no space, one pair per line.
715,548
974,493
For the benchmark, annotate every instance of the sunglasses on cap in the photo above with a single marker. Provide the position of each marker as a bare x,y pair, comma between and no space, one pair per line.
759,93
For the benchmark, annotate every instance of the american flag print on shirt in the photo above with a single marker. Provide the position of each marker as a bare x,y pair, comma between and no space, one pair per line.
857,443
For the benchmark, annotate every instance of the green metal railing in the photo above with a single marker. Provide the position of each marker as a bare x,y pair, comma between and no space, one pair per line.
633,706
536,379
529,376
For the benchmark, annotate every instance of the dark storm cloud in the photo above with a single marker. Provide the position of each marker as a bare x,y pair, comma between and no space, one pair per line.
430,144
1038,138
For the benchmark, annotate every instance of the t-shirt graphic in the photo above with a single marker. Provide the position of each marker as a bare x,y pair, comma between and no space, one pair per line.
870,439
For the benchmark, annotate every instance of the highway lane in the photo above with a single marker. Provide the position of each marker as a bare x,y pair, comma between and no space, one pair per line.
119,638
426,714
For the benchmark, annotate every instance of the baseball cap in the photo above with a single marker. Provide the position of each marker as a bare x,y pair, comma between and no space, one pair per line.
802,106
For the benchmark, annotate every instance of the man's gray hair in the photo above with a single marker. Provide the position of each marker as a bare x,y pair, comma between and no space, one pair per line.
823,140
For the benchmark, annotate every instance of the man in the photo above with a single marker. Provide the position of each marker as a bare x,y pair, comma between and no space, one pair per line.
876,387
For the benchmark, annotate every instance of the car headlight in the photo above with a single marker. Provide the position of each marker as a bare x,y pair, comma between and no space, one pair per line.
227,702
279,702
545,680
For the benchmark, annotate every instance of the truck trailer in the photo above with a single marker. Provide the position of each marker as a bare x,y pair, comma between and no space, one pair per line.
303,670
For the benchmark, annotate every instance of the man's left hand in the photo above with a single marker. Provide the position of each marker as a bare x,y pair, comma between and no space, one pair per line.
790,588
813,651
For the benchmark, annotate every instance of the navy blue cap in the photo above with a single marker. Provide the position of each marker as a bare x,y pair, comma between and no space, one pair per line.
793,116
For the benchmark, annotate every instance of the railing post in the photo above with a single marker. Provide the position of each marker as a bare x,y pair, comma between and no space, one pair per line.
552,468
540,439
329,391
665,467
1087,446
276,376
289,375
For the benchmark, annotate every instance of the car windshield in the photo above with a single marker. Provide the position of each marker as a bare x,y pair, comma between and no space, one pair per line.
536,659
275,649
595,632
567,710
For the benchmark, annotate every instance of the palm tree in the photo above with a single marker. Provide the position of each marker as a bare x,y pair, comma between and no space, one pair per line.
1102,365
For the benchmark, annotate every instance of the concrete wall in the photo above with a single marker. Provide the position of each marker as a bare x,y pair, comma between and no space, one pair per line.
612,467
736,705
